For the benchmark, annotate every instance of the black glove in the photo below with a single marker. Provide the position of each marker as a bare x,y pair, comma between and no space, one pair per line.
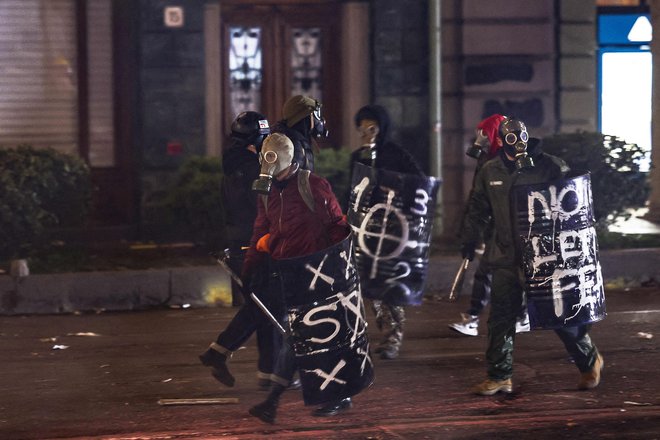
467,250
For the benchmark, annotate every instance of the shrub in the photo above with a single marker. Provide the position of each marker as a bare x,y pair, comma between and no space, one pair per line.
616,181
194,200
39,189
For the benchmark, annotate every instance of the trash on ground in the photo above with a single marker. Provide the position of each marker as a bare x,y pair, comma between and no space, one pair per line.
83,334
644,335
60,347
209,401
630,402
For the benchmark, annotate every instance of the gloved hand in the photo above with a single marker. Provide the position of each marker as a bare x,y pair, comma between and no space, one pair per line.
467,250
262,243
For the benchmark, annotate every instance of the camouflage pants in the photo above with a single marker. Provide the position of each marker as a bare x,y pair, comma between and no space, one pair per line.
390,320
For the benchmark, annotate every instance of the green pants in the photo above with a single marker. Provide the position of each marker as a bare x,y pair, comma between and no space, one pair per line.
506,304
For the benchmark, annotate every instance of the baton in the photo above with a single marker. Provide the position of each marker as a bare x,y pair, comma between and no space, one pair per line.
457,286
221,261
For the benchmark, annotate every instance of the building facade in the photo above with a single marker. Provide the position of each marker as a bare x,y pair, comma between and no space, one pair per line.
136,86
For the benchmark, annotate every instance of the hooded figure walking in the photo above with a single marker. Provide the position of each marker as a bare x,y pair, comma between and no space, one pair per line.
378,152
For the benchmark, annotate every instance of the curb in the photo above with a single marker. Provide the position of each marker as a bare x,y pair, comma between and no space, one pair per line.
209,286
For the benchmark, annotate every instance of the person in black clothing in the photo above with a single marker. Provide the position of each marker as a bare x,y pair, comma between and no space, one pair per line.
240,165
373,123
302,123
486,146
518,163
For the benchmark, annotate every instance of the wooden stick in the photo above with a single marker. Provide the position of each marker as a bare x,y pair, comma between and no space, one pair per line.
207,401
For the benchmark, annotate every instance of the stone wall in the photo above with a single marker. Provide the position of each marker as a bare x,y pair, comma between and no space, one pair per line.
171,94
400,68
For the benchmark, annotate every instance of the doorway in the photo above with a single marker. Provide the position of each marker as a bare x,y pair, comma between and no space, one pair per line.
275,51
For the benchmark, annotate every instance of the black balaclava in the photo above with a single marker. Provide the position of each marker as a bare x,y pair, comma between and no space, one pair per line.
378,114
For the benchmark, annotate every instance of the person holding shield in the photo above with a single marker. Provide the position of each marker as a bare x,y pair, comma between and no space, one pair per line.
490,201
297,215
379,152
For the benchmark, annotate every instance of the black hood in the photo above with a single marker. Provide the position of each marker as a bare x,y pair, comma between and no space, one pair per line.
237,157
379,114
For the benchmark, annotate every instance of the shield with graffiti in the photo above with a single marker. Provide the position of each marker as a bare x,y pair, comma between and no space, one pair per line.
391,215
559,247
327,323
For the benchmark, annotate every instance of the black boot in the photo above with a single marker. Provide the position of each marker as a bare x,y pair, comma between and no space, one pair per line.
267,410
333,408
218,363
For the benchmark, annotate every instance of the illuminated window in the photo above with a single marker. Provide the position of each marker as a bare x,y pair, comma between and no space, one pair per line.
625,65
306,62
245,71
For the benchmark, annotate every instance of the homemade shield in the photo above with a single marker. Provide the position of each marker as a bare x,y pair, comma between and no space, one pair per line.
559,248
392,218
327,323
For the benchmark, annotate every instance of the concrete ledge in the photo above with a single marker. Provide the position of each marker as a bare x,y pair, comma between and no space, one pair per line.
114,291
629,266
209,286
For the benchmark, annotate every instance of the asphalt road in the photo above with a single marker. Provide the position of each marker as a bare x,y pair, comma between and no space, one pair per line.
102,375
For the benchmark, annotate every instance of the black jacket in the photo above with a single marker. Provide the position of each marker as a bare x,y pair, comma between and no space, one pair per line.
491,200
240,167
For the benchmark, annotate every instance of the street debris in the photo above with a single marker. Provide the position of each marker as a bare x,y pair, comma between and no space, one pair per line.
630,402
167,380
209,401
83,334
60,347
644,335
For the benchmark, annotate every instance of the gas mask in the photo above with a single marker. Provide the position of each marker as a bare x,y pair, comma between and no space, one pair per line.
276,156
319,129
368,130
514,139
481,145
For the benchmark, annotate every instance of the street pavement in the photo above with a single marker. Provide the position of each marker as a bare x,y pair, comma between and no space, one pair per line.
101,375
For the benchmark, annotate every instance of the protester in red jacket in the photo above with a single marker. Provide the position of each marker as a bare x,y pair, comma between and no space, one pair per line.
297,215
291,227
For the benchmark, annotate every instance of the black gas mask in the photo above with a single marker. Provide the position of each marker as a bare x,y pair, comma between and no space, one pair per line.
480,146
514,140
319,129
368,132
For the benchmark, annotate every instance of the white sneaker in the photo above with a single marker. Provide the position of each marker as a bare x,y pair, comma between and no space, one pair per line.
522,324
468,326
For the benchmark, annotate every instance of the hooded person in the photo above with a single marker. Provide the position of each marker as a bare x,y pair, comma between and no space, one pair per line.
291,222
302,122
378,151
485,147
240,165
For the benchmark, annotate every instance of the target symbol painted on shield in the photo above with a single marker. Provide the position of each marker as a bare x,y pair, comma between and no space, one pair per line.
381,236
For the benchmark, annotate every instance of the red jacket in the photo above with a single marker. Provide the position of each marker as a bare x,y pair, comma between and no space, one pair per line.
294,229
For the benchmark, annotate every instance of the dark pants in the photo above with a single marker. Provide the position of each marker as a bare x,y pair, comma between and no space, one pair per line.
235,262
480,289
250,319
506,302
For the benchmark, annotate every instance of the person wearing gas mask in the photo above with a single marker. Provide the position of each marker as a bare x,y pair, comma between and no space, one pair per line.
490,201
485,147
378,151
302,123
240,164
298,214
